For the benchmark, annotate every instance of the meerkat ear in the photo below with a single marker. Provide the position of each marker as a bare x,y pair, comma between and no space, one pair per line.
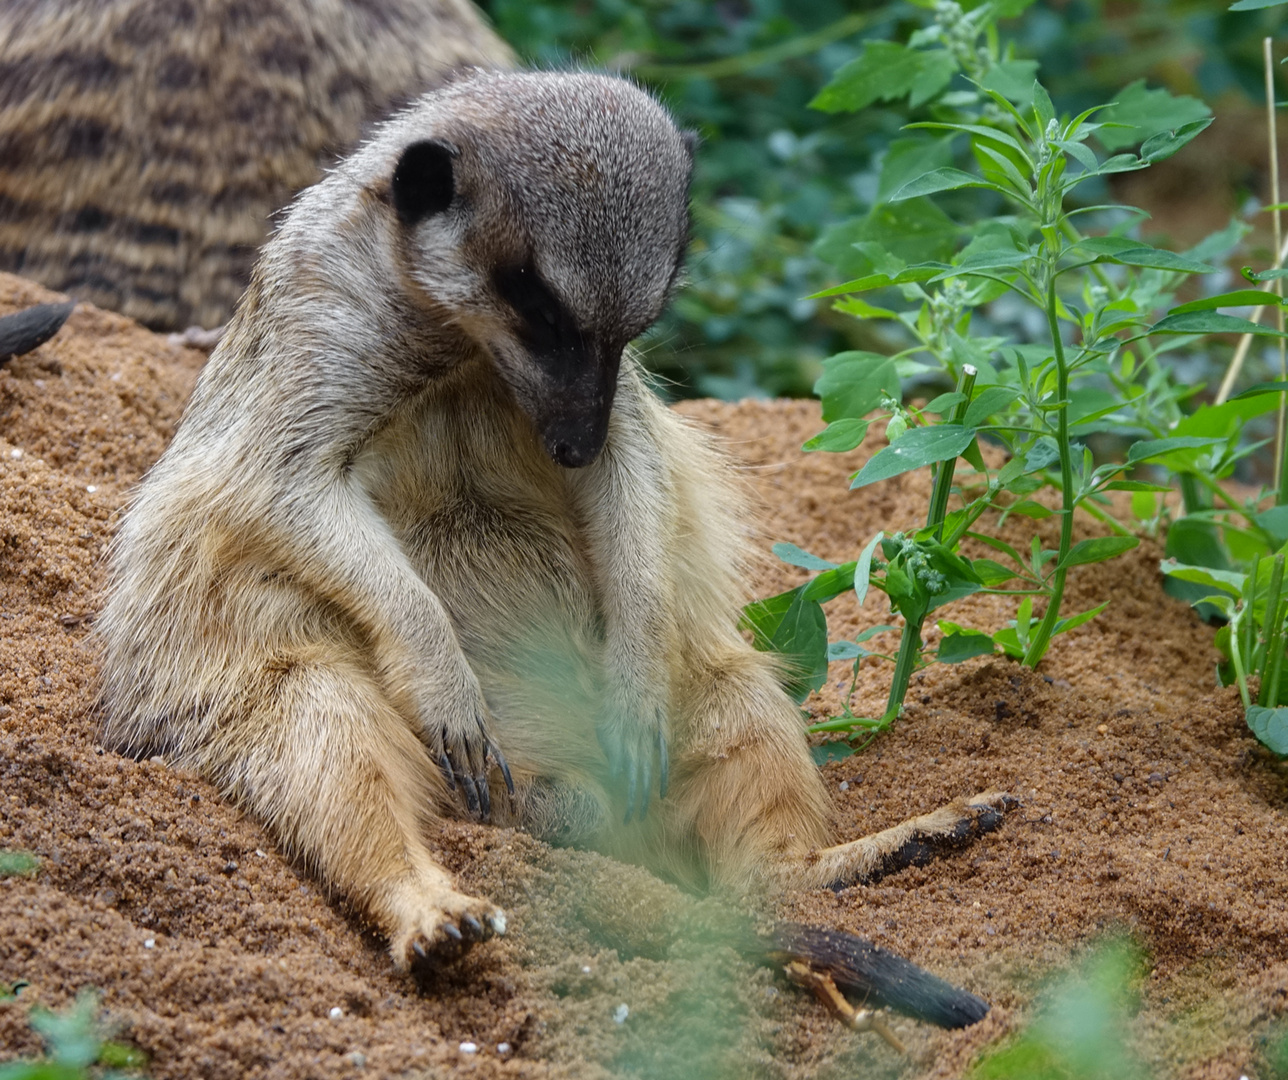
690,139
422,183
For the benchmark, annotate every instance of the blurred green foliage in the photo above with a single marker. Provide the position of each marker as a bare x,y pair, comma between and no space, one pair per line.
777,179
1081,1029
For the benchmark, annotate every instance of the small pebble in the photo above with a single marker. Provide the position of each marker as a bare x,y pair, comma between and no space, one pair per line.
356,1059
336,1013
586,970
502,1048
1103,729
15,453
621,1013
469,1048
91,488
151,943
845,785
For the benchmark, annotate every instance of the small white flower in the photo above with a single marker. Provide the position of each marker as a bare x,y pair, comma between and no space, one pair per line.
621,1013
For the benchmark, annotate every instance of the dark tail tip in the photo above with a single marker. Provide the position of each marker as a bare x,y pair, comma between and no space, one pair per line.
24,330
870,976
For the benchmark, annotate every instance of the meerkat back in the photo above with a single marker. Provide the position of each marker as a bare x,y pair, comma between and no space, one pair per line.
146,144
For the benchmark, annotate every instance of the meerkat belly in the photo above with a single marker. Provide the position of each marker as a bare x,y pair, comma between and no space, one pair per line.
497,541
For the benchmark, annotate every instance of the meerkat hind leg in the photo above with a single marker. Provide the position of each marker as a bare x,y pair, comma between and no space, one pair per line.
337,773
910,843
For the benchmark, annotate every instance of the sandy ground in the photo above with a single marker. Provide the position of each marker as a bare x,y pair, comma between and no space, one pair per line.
1146,806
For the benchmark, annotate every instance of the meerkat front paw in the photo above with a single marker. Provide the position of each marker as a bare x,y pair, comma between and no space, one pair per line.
461,747
633,738
443,928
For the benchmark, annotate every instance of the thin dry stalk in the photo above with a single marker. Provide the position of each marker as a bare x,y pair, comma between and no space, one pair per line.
1281,249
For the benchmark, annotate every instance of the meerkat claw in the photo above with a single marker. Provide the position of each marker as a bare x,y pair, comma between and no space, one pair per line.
450,930
499,758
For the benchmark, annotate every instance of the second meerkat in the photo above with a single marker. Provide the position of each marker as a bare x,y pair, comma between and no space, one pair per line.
423,517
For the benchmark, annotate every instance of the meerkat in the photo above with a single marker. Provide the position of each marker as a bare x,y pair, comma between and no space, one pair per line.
145,144
426,544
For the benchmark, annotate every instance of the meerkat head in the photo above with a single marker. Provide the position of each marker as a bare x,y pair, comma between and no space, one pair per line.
546,216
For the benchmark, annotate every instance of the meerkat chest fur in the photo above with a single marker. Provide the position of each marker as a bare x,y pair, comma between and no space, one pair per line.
485,517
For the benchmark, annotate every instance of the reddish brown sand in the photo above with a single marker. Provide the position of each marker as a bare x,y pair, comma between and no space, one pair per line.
1146,805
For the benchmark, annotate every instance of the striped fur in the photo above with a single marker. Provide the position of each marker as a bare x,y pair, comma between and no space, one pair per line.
146,144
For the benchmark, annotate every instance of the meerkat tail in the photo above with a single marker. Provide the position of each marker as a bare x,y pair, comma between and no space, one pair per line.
869,976
27,329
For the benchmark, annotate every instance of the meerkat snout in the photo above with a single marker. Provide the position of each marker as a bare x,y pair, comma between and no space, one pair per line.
553,235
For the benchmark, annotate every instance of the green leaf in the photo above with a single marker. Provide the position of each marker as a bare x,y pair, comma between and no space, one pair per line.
1275,522
853,384
1163,145
985,260
918,447
1270,726
1157,259
795,556
1134,485
839,436
914,232
796,628
1238,298
863,568
1014,80
1074,621
1264,275
962,644
1211,322
992,573
906,159
1139,113
830,584
1097,549
1228,581
1262,388
990,400
1256,5
837,750
1147,449
885,71
946,179
920,272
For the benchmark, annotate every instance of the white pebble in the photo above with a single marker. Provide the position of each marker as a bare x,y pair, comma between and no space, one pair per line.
15,453
502,1048
469,1048
845,785
91,488
621,1013
336,1013
357,1059
151,943
586,970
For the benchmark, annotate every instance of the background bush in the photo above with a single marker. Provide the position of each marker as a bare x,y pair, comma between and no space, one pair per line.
777,181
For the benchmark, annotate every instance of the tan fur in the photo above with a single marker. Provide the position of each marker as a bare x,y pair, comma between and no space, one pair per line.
361,549
146,144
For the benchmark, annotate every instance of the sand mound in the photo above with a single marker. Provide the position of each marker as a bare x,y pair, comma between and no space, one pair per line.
1146,805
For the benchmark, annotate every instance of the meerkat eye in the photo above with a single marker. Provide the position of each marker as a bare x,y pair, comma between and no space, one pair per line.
547,322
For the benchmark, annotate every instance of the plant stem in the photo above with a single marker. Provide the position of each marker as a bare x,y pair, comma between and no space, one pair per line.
910,642
1038,645
944,472
910,645
1272,665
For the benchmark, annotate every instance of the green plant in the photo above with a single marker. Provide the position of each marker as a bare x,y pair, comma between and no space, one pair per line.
1080,1030
78,1047
17,863
1095,368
